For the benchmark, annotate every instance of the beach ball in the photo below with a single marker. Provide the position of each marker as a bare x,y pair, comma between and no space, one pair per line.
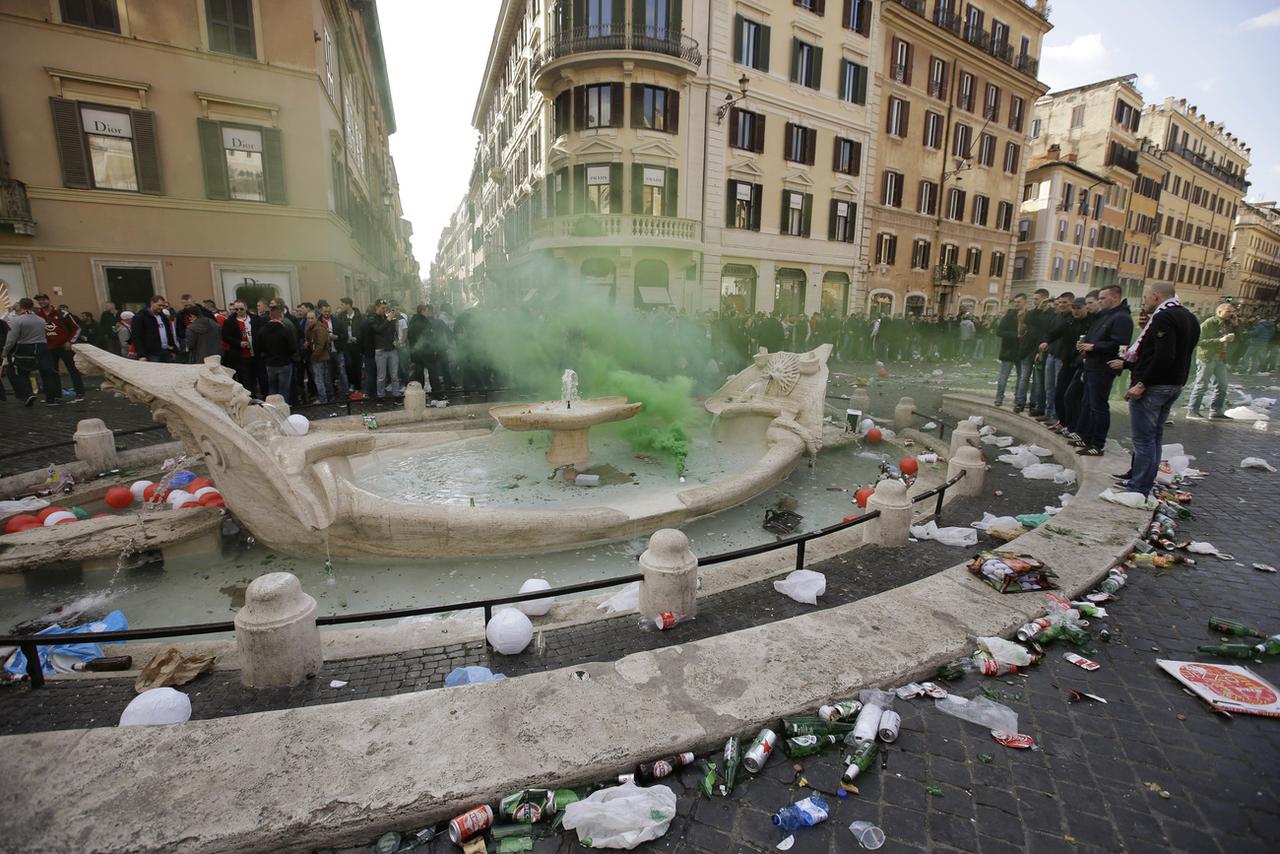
874,435
908,465
182,478
509,631
535,607
58,517
49,511
21,523
154,493
205,490
199,484
297,425
177,496
212,501
862,495
138,487
119,497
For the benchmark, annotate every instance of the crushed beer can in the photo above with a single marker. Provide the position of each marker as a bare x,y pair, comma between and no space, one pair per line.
1013,739
907,692
1081,662
470,823
845,710
934,690
529,806
665,620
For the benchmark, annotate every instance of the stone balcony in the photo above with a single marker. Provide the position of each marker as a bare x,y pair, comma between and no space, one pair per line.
15,208
615,230
664,49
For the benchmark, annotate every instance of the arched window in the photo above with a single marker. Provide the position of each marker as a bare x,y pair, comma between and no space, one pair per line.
651,284
737,289
835,294
880,304
915,305
599,280
788,293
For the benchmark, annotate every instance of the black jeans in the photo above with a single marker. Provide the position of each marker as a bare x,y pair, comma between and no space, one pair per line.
34,357
1097,421
65,356
1060,405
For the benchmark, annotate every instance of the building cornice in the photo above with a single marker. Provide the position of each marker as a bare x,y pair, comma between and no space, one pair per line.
511,10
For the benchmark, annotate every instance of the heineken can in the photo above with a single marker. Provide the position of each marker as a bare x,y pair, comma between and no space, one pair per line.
732,759
845,710
760,750
792,727
890,722
528,806
564,797
470,823
807,745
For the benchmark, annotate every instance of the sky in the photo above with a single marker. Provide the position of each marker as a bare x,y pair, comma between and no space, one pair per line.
1222,57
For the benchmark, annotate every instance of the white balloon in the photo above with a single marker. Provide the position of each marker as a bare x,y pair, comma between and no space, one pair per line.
865,425
177,496
137,488
54,518
509,631
157,706
206,490
298,425
535,607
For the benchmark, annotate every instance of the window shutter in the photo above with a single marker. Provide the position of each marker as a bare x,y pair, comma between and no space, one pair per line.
759,134
862,85
615,188
787,130
579,13
273,165
737,37
888,117
730,203
835,155
911,56
579,107
215,162
1119,110
806,214
856,158
637,188
677,17
71,145
619,14
637,17
671,194
673,111
960,213
817,68
795,59
757,203
853,219
864,16
906,118
146,152
897,193
637,105
580,188
831,216
764,48
810,145
893,249
846,14
884,186
820,7
786,209
563,208
617,104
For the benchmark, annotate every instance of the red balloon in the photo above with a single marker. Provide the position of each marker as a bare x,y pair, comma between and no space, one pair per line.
874,435
212,500
862,495
27,526
908,465
198,483
65,521
20,522
153,493
47,512
118,497
883,372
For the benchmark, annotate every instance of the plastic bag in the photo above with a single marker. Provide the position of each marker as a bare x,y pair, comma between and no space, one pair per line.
1168,452
803,585
509,631
471,675
536,607
990,521
1067,476
58,659
981,711
947,536
1039,451
157,706
626,599
1032,520
1019,458
998,441
1256,463
22,505
1202,548
622,816
1005,651
1135,500
1042,471
1245,413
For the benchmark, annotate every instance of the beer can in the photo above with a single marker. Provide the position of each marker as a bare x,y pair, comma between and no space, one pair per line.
564,797
624,779
1010,739
470,823
760,750
665,620
890,722
1033,628
842,711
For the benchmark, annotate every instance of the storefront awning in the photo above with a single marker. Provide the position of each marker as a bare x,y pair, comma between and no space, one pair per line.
655,296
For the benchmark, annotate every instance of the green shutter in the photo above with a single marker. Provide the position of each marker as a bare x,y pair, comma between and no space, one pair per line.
817,68
146,152
677,17
673,111
615,188
617,104
831,221
757,205
69,137
862,85
671,194
273,165
731,203
853,223
580,188
763,53
637,105
579,108
637,188
619,15
579,13
637,16
795,59
215,163
737,38
786,208
806,214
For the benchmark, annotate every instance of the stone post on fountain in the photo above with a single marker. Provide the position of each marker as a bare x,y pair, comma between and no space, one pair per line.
903,413
968,460
965,435
95,445
670,576
281,405
894,524
276,633
415,400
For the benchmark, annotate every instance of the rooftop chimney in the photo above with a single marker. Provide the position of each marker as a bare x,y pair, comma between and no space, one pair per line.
1055,152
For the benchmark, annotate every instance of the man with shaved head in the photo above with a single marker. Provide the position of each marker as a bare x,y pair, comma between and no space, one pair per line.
1158,362
1215,334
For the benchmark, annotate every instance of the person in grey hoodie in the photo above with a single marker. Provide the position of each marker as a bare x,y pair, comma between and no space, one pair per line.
203,336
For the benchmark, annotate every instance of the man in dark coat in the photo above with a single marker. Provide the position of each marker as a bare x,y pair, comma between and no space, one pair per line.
1112,330
428,347
238,353
1015,352
153,333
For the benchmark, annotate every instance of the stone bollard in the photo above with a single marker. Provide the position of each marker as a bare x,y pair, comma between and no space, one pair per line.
415,399
894,524
95,445
968,460
903,414
276,633
965,435
860,401
281,405
670,576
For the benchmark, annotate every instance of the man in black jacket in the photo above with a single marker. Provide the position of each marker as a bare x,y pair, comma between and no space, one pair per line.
238,351
1112,330
1039,320
348,322
153,333
1047,358
1158,363
1015,352
277,344
1067,359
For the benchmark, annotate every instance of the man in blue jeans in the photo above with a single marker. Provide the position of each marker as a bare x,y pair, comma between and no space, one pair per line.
1159,362
1216,334
1112,330
277,342
1015,352
1055,328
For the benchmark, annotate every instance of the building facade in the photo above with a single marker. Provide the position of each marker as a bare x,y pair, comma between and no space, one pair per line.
955,84
1199,201
1254,269
1058,245
203,147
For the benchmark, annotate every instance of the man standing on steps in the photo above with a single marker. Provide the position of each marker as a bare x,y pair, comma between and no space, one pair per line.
1158,363
1215,334
1015,352
1112,330
1038,323
1056,328
61,330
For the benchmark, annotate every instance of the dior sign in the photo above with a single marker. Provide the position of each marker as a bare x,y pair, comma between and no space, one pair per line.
106,123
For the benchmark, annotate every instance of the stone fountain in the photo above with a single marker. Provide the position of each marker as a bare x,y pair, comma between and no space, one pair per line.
569,420
298,494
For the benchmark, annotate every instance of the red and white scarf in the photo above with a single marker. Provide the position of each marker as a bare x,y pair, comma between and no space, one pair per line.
1131,355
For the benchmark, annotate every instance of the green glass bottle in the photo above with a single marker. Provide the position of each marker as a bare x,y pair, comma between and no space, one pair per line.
807,745
1230,650
814,726
732,760
1222,625
860,761
1270,646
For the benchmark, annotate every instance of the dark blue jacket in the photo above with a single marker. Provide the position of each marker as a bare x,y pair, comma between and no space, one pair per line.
1112,330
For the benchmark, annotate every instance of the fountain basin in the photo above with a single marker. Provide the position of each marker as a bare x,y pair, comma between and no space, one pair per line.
568,422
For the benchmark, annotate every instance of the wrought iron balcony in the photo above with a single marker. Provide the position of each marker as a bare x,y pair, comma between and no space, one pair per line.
15,209
1204,165
616,38
937,89
900,73
916,6
1028,65
1002,51
948,20
977,37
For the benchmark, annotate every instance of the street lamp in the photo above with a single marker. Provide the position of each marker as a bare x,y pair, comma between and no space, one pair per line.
729,100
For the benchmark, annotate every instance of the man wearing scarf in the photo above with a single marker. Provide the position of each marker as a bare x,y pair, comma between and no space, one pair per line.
1158,362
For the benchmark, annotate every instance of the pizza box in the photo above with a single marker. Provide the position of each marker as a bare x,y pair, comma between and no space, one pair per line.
1229,687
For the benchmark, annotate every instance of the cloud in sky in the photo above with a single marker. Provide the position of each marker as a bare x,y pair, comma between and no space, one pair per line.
1206,84
1263,21
1082,60
1148,83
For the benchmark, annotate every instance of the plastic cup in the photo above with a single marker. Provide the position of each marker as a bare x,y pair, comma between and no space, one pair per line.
868,835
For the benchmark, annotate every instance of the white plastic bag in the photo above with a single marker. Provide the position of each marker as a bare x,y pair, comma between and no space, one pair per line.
989,521
1256,463
1168,452
1019,458
1039,451
981,711
947,536
626,599
1042,471
998,441
1006,652
803,585
1067,476
622,816
535,607
157,706
509,631
1135,500
1245,413
1202,548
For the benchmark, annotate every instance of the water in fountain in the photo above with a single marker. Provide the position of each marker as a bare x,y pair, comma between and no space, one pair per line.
569,387
277,417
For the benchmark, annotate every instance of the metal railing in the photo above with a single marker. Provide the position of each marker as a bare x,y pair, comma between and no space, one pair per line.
618,37
29,644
